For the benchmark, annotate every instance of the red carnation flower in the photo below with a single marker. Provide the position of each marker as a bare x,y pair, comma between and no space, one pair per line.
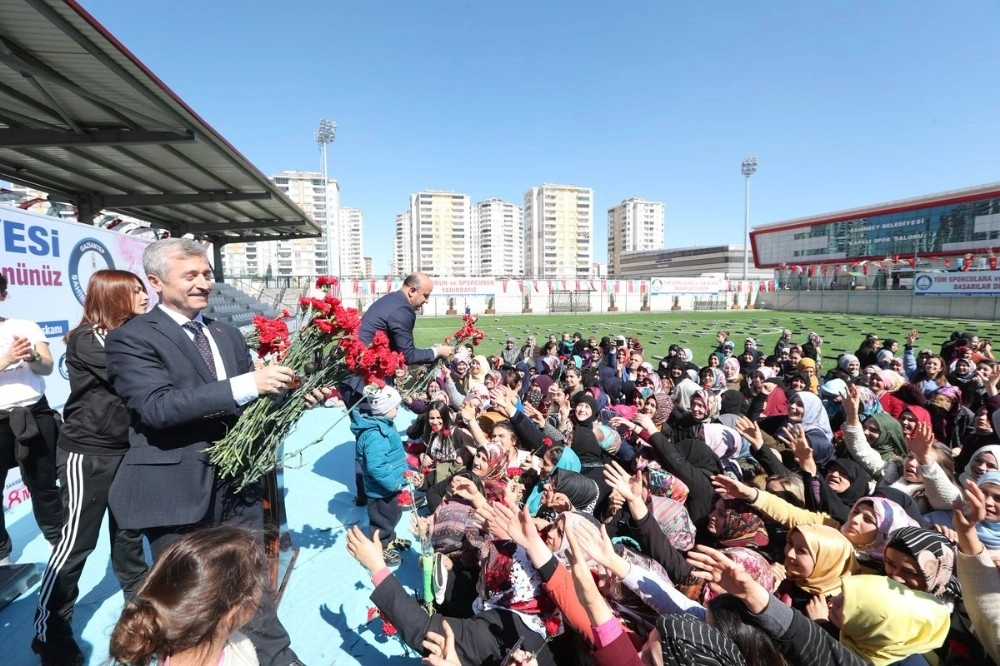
405,498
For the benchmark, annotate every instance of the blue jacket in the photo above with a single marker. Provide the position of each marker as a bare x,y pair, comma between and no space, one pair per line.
379,451
394,315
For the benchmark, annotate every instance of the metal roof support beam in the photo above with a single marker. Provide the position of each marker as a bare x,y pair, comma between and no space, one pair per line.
246,226
217,261
128,200
33,138
29,66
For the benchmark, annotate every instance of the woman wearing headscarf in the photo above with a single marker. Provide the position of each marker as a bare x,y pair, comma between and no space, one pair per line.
817,559
734,523
704,407
712,379
553,458
985,459
842,483
807,367
806,409
479,367
812,349
884,622
869,525
924,560
849,367
884,384
570,491
731,372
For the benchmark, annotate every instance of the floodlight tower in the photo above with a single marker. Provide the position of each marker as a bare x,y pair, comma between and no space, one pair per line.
327,133
749,168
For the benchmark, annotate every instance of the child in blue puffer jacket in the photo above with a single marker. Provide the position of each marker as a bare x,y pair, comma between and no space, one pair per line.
380,454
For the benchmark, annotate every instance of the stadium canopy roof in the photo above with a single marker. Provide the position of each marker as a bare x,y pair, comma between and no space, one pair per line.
84,120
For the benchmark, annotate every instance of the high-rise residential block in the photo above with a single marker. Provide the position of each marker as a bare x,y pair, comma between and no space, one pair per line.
634,225
402,246
559,229
304,256
352,224
436,236
500,228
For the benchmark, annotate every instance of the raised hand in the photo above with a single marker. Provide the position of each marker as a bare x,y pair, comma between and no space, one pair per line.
619,480
728,486
970,509
911,337
368,552
466,489
921,443
750,431
596,544
645,422
852,404
795,439
712,565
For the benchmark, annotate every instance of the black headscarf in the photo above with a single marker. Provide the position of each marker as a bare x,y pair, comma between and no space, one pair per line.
699,455
839,504
580,490
585,443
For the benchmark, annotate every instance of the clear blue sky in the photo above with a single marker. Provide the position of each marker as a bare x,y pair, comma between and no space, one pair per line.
844,104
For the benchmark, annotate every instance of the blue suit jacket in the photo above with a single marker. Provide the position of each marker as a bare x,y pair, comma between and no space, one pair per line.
177,410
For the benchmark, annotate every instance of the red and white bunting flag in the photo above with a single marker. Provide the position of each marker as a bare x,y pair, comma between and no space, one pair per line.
504,282
770,285
563,285
578,285
388,285
618,285
356,286
371,287
631,286
604,286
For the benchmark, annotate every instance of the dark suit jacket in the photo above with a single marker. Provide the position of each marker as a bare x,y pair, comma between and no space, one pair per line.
177,410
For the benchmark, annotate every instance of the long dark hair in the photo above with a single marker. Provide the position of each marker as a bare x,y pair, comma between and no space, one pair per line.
109,299
731,617
206,582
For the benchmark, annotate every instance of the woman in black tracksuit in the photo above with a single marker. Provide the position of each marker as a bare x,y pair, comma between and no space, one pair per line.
91,444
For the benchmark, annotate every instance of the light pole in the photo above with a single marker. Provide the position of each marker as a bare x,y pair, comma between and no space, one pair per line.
327,133
749,168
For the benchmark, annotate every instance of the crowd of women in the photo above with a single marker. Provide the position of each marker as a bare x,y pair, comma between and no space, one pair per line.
586,506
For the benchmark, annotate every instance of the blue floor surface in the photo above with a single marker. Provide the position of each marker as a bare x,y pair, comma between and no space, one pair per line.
325,603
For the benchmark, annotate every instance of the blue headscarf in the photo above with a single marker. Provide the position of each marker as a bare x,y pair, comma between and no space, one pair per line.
568,461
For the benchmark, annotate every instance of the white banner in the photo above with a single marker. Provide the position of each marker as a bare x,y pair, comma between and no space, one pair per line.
972,283
446,286
682,285
47,262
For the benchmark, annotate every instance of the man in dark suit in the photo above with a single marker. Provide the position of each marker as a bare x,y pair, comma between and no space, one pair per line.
394,314
184,379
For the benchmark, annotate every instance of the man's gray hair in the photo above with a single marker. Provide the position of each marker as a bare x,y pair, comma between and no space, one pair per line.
156,258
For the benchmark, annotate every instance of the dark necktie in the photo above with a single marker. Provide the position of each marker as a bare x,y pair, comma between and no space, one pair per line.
204,348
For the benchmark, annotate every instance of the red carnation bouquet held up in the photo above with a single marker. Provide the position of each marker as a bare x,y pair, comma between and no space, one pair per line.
419,378
324,351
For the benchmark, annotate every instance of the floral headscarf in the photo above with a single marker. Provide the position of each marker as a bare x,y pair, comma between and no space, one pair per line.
742,527
934,554
750,561
889,517
708,399
664,407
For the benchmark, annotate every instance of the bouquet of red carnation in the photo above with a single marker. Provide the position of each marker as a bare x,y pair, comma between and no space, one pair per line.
324,351
418,379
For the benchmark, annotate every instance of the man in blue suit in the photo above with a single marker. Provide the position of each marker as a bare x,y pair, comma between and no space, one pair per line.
185,379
